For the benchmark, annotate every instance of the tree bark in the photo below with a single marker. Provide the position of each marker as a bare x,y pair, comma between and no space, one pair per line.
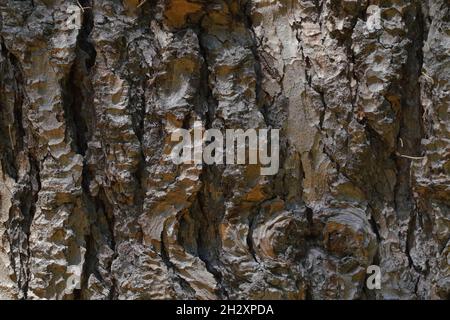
91,209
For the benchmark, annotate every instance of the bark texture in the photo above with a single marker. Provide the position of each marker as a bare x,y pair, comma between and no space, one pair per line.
90,208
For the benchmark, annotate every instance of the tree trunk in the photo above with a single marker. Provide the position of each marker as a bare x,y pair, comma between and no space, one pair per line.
90,208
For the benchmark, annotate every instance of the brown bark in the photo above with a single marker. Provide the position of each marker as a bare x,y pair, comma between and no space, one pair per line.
91,209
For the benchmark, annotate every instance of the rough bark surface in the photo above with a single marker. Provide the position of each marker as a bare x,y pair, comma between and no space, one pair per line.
90,208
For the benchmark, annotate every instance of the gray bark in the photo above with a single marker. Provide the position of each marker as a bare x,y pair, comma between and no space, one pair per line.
89,208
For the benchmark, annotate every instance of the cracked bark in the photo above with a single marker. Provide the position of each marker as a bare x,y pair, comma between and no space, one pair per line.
90,209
